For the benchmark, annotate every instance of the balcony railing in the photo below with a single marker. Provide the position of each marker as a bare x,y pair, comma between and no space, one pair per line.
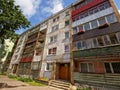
36,58
111,79
59,58
100,51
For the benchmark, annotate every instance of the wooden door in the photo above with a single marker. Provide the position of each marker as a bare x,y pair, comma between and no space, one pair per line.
15,68
64,72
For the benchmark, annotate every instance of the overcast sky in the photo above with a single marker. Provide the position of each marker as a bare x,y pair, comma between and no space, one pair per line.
37,10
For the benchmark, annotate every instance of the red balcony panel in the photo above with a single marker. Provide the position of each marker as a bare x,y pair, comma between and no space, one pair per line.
27,59
85,7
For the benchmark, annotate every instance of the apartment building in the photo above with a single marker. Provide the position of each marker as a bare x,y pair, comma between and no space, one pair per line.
28,53
17,52
96,43
56,55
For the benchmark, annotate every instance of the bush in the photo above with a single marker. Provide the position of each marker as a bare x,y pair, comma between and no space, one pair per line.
12,76
84,89
25,79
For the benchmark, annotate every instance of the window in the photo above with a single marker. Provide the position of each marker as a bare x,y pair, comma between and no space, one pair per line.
87,26
95,10
66,23
89,43
107,4
80,27
108,68
91,12
52,51
84,67
67,49
56,19
113,39
101,7
102,21
107,40
95,43
94,24
53,39
81,45
100,41
111,18
49,66
113,67
116,67
54,28
35,66
75,45
118,36
66,34
87,67
75,30
67,13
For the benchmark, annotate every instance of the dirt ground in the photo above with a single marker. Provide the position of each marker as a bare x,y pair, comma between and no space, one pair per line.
18,85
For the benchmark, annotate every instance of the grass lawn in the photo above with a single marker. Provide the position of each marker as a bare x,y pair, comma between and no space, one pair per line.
26,80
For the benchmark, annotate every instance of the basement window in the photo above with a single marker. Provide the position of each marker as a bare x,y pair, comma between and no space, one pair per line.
86,67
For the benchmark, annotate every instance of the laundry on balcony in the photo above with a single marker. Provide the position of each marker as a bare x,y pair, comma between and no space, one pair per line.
103,25
81,32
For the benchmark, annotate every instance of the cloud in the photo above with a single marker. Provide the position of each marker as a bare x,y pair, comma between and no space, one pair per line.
29,7
53,6
119,11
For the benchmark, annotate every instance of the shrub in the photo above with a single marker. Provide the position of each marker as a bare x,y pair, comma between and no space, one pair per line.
12,76
25,79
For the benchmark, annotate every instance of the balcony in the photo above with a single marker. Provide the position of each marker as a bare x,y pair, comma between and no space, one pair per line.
97,32
100,51
87,6
37,58
93,17
58,58
31,40
43,27
108,79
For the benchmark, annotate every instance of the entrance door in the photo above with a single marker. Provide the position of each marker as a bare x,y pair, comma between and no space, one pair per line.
15,68
64,71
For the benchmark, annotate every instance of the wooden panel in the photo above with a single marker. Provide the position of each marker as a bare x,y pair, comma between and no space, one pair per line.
64,72
99,67
109,79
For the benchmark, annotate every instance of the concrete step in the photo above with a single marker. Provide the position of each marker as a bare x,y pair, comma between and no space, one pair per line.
59,84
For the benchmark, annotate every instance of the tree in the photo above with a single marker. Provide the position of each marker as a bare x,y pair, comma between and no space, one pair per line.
11,19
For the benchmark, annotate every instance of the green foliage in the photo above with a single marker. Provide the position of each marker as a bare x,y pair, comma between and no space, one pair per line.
13,77
84,89
35,83
11,19
27,80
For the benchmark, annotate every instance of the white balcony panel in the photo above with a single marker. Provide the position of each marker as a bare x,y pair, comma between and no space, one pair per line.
43,27
66,57
93,17
36,58
67,28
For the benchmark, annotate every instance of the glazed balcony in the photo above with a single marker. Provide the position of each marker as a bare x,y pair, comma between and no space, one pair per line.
87,6
109,79
98,52
97,32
